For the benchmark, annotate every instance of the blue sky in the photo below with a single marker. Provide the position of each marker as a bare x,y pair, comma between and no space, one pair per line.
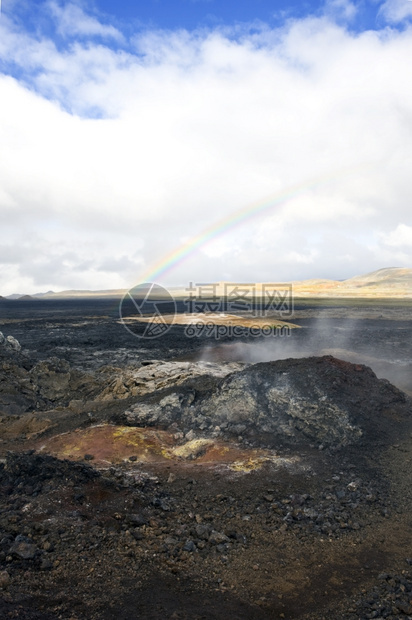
131,17
203,13
127,129
192,14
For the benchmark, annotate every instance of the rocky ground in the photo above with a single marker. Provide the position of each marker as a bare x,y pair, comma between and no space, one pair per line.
140,481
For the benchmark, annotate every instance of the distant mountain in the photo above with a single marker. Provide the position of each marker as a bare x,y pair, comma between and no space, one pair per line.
17,297
391,282
392,277
73,294
44,294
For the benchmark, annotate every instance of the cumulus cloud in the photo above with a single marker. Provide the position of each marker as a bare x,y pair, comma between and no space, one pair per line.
114,155
400,237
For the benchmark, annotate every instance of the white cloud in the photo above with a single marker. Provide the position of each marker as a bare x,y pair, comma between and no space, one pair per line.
72,20
395,11
308,126
299,257
341,9
400,237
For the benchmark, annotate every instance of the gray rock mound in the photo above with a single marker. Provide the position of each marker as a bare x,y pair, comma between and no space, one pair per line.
321,401
10,343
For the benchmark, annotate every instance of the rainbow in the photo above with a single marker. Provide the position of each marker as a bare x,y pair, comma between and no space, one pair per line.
233,220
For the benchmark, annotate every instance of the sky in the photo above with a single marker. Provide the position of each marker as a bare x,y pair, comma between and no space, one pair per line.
129,130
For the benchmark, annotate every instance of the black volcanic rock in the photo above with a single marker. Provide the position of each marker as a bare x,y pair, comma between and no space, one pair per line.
323,401
36,469
27,384
319,401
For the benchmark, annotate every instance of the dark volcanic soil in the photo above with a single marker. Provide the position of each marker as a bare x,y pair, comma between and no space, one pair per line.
280,490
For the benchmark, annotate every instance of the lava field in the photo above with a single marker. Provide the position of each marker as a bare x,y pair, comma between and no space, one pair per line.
190,478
